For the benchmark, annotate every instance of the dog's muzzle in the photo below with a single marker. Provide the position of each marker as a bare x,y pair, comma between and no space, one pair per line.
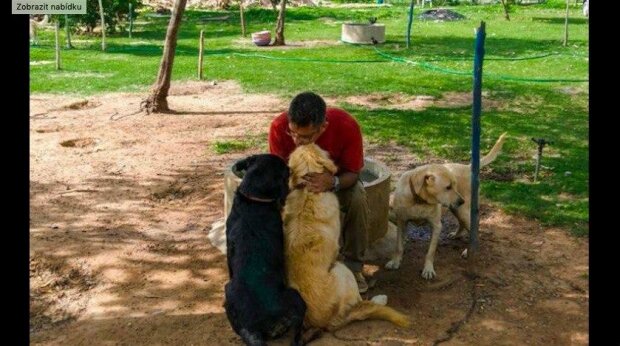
459,202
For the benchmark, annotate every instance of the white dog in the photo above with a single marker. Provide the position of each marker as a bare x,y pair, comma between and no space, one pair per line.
422,192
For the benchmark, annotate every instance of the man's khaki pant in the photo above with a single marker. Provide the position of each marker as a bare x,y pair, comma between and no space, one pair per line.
354,236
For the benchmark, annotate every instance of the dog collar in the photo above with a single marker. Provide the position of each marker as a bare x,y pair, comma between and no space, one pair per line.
418,198
257,199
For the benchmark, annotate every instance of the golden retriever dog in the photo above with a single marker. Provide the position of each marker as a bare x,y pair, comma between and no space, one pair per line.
311,235
422,192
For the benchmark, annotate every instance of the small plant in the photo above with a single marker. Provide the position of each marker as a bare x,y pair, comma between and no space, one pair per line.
229,146
225,147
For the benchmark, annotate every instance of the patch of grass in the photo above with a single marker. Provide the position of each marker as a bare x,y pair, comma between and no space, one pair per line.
225,147
132,64
235,145
440,60
559,198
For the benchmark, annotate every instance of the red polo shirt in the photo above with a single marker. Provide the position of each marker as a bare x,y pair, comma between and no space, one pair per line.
342,139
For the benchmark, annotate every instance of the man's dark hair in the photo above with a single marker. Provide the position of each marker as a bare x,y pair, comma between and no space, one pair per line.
306,109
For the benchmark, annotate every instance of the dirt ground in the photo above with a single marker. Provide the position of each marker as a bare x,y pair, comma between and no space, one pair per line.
121,204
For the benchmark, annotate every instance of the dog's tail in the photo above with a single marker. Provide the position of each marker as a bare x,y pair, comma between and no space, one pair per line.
367,309
490,157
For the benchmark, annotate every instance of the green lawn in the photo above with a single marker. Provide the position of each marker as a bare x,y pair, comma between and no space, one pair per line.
538,82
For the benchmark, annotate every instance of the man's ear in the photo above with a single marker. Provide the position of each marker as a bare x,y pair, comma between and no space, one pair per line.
323,127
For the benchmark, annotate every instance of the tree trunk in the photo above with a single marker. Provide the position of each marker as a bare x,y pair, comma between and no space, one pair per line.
566,26
102,26
242,19
505,10
130,19
157,102
68,32
279,41
57,29
201,47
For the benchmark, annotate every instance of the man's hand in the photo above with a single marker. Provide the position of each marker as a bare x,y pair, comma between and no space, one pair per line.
319,182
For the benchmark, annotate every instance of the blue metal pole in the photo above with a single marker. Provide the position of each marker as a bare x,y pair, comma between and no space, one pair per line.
475,136
409,23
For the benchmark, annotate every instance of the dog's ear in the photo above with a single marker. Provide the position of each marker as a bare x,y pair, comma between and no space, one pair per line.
266,177
298,168
329,165
244,164
429,179
418,182
324,160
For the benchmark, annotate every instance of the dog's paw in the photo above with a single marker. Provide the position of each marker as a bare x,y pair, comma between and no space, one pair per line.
429,272
393,264
380,299
464,253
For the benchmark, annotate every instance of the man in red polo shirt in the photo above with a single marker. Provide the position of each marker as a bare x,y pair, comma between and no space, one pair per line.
308,120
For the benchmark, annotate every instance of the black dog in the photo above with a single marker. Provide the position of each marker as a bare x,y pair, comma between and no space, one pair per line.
259,305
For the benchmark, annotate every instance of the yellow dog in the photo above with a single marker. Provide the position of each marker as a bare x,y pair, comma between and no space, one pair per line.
311,233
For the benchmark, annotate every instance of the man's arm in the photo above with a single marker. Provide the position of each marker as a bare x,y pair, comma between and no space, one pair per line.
352,160
348,179
321,182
